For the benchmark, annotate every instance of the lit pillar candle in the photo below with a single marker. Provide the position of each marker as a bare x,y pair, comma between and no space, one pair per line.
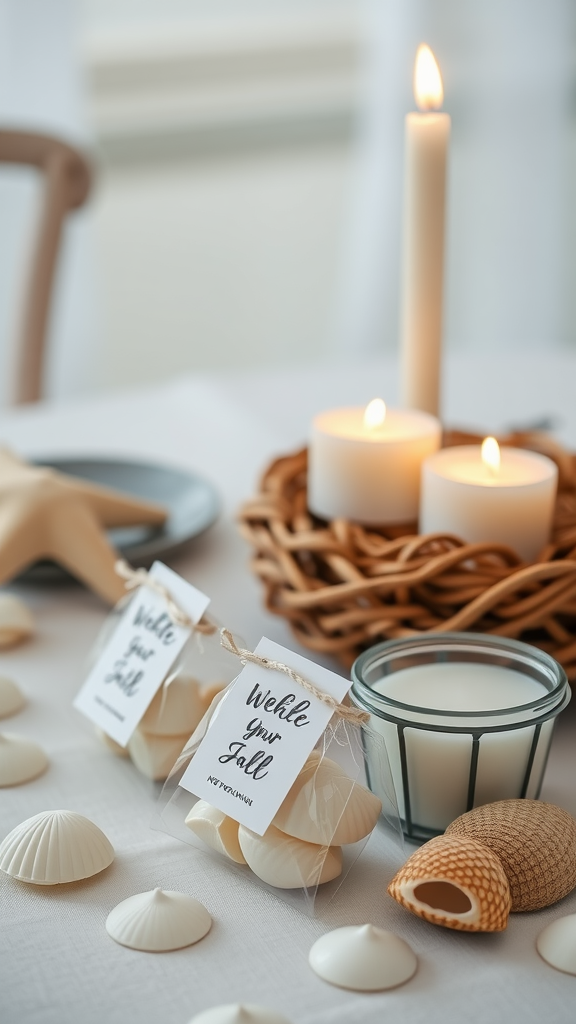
364,464
426,147
481,494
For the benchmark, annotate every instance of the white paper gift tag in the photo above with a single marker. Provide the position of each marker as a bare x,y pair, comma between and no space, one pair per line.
261,734
139,655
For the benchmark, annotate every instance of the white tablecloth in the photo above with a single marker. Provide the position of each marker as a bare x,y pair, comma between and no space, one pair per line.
57,964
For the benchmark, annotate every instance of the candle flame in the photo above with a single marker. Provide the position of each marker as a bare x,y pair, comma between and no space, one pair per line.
374,414
491,454
428,89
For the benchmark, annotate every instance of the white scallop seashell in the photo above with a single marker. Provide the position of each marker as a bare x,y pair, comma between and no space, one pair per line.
55,847
363,958
20,760
215,829
557,944
239,1013
158,920
176,708
12,699
326,806
155,756
16,622
286,862
111,744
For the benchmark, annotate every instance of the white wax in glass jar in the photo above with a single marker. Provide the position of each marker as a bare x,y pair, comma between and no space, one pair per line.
460,686
439,762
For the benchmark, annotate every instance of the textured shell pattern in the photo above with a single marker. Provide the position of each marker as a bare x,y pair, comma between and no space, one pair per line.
55,847
326,806
466,864
536,843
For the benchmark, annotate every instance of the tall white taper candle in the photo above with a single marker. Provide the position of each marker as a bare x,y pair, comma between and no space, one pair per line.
426,149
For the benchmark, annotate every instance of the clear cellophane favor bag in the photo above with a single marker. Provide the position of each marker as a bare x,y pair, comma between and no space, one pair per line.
202,669
320,829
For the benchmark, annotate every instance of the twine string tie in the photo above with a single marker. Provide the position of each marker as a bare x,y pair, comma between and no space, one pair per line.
349,714
134,578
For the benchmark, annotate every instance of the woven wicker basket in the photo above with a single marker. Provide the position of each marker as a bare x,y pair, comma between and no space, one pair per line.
343,587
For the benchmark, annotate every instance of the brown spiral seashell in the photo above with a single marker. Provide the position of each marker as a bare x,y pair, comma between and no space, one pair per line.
455,882
535,842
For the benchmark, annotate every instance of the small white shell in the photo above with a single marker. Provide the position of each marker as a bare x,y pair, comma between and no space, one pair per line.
158,920
286,862
215,829
20,760
16,622
155,756
176,709
239,1013
364,958
327,807
12,699
557,944
111,744
55,847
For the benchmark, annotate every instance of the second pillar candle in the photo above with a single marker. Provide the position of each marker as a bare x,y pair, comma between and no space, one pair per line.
427,138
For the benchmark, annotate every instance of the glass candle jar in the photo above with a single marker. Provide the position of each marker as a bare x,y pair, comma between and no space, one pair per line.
467,718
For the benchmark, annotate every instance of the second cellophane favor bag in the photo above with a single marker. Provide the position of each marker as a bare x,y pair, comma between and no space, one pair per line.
273,781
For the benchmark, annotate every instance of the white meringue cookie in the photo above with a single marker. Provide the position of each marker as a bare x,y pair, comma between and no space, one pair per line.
363,958
158,921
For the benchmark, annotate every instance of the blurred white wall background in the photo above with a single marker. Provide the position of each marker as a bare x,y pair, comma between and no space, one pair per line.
509,69
247,208
41,90
225,135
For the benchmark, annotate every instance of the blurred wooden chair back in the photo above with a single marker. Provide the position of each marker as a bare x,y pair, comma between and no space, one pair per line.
66,187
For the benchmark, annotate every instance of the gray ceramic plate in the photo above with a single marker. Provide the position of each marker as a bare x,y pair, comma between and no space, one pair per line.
191,501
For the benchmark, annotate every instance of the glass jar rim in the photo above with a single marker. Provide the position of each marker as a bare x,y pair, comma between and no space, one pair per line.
516,649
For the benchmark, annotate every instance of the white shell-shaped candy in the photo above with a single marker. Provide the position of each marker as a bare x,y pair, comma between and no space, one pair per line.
176,709
239,1013
325,806
364,958
158,920
286,862
16,622
55,847
557,944
155,756
215,829
12,699
20,760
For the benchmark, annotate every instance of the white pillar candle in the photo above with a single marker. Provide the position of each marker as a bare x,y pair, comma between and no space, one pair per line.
364,464
438,763
426,146
507,500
